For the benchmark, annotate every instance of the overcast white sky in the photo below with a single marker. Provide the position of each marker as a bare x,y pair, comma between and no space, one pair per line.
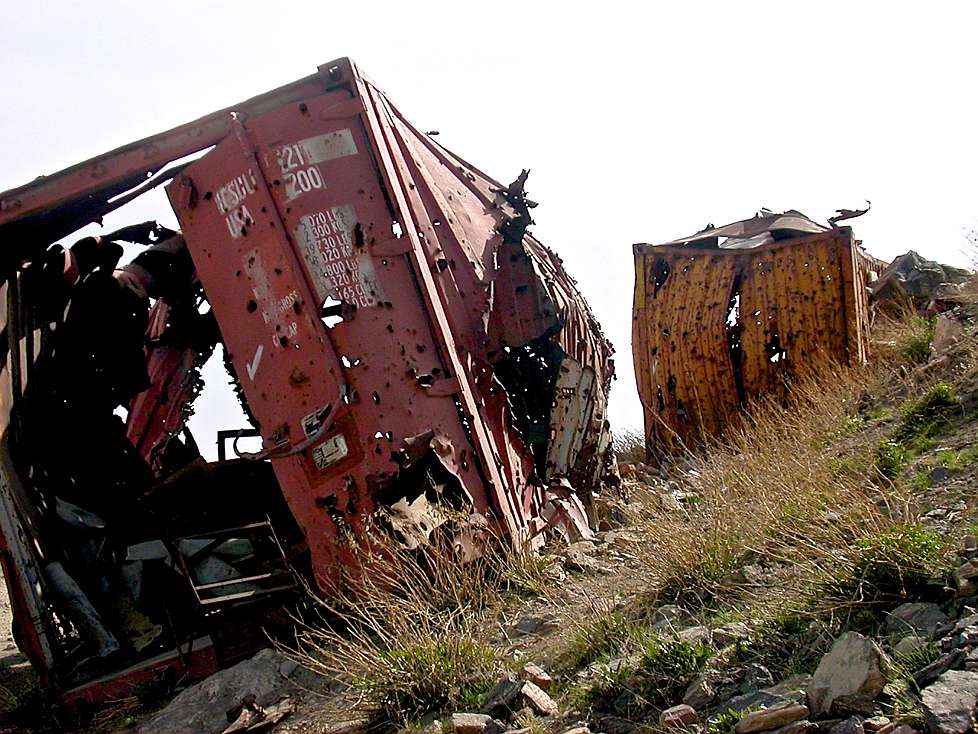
640,122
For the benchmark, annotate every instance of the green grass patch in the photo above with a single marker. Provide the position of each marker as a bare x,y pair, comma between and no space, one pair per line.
921,480
895,564
954,460
599,639
925,416
878,413
950,459
910,662
921,420
666,667
889,458
916,349
902,692
725,722
784,643
428,677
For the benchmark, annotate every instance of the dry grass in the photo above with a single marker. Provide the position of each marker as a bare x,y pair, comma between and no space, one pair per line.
629,446
408,638
794,487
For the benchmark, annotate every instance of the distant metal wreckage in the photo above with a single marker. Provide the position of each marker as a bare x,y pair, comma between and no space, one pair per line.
411,357
731,313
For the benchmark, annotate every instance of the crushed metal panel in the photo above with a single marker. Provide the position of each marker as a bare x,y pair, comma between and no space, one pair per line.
715,328
371,290
419,257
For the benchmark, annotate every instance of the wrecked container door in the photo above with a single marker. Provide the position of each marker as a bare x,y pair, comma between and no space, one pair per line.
716,326
351,263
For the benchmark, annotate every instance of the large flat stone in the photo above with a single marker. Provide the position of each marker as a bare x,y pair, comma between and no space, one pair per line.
949,703
850,668
771,718
202,708
916,618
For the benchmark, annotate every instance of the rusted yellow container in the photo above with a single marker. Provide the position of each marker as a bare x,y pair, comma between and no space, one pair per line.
730,314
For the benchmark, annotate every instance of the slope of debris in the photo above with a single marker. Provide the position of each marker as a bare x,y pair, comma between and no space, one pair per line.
855,613
815,571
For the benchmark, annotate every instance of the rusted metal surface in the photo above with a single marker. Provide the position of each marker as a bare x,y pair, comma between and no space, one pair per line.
734,313
339,201
413,360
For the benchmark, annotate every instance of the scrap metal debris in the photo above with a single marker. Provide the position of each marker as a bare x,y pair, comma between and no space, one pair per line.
249,716
733,313
413,359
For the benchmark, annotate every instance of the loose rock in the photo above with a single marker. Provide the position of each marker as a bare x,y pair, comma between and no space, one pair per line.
929,673
202,708
538,699
852,725
876,723
536,674
531,625
678,717
730,633
949,704
470,723
844,706
792,689
771,718
909,644
851,667
918,617
795,727
695,635
502,700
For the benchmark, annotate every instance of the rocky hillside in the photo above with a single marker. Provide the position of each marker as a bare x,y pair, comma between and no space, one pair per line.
814,571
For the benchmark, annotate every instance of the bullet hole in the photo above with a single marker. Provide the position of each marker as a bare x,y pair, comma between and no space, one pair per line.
252,306
735,347
334,311
660,274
